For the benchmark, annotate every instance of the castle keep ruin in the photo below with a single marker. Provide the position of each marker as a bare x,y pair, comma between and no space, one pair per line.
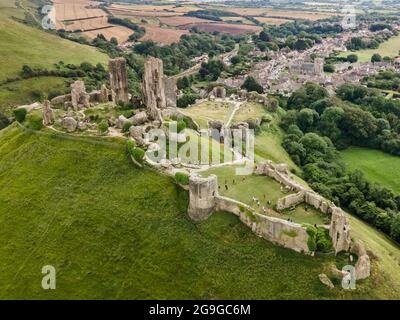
119,79
153,87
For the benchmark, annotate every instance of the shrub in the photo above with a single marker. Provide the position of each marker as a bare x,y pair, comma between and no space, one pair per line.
54,93
37,95
103,126
182,178
185,100
251,84
34,122
126,126
181,125
4,122
20,114
138,154
130,146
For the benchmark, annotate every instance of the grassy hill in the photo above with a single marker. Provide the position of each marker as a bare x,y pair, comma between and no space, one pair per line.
113,231
21,44
378,166
25,91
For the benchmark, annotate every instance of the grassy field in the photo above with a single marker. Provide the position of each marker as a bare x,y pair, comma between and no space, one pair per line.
21,44
389,48
205,111
23,91
113,231
378,166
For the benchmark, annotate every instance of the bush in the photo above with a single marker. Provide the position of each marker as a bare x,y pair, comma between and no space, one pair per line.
186,100
37,95
126,126
103,126
251,84
34,122
180,126
130,146
20,114
182,178
4,122
138,154
54,93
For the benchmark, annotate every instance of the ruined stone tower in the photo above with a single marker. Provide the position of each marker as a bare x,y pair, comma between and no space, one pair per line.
119,79
202,192
153,87
339,231
170,92
319,66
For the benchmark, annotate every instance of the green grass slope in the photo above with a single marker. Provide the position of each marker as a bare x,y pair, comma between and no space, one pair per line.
23,92
113,231
21,44
378,166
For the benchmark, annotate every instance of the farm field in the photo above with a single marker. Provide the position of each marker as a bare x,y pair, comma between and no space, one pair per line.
162,35
76,9
81,15
21,44
290,14
273,21
119,32
389,48
378,166
224,27
134,252
181,20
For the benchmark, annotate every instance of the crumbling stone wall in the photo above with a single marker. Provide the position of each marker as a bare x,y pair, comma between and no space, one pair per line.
79,98
219,92
170,92
202,192
290,201
153,87
281,232
118,74
204,200
339,231
339,228
363,264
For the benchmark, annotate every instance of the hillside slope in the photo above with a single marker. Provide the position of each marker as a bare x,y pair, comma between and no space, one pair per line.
21,44
113,231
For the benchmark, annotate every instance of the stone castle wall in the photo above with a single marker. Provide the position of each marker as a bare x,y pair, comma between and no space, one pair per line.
339,227
281,232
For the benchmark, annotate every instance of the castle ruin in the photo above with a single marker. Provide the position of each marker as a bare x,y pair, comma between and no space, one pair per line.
118,74
153,87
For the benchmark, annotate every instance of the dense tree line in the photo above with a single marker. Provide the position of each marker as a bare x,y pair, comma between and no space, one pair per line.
211,14
386,80
177,56
317,125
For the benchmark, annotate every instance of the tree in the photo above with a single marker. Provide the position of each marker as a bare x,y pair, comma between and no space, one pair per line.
329,68
395,228
4,122
27,71
251,84
352,58
20,114
183,83
264,36
376,57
